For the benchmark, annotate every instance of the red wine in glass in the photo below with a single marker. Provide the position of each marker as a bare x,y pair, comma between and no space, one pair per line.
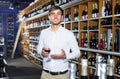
47,50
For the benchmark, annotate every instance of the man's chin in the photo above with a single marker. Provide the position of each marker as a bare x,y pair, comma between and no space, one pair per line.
56,23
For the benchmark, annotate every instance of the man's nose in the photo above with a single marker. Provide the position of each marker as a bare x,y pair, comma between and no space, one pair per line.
56,15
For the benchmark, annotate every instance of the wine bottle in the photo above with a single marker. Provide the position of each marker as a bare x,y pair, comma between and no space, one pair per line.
25,16
116,21
64,1
72,70
29,14
91,42
101,68
66,16
83,13
96,10
86,12
108,33
84,55
105,42
110,68
109,7
117,68
96,42
57,2
90,61
84,64
45,7
103,9
60,2
106,9
91,76
82,41
86,41
69,14
76,14
93,71
110,42
116,40
93,11
52,3
116,10
93,60
101,43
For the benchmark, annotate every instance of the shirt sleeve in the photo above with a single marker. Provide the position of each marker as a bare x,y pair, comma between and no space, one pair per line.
73,51
40,44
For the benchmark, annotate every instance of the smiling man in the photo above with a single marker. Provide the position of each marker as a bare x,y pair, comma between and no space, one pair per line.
56,45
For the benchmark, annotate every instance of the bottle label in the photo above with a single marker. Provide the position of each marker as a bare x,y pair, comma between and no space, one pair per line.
84,64
110,68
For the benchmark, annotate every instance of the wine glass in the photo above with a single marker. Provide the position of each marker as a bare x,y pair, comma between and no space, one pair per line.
48,50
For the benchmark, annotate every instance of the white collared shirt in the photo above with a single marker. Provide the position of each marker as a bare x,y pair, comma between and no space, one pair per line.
61,39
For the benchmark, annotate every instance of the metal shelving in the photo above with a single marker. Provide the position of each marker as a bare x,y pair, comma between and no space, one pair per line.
8,27
100,51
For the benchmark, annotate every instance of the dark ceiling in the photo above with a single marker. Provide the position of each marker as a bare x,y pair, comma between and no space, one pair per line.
15,4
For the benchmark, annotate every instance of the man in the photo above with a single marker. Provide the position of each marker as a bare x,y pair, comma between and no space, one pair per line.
56,45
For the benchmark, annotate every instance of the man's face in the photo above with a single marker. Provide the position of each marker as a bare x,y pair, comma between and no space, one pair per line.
55,17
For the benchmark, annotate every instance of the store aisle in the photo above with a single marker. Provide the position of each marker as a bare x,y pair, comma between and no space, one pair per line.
21,68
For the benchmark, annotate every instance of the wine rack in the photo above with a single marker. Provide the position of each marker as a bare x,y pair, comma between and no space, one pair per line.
1,24
96,28
10,36
8,29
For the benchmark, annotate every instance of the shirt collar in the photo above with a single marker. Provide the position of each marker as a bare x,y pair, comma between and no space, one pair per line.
59,29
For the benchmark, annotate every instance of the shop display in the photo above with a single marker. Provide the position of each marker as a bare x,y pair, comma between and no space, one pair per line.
95,24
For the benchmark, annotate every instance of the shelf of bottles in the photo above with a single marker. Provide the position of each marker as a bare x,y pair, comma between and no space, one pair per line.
31,32
1,24
40,8
99,30
71,20
94,66
10,35
95,23
1,35
8,28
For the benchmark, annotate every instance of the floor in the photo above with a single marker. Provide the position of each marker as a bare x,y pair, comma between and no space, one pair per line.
21,68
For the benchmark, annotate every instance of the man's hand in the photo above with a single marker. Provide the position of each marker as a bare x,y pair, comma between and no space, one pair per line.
44,53
62,55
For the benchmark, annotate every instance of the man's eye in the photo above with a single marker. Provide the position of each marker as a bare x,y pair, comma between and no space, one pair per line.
59,13
52,13
55,13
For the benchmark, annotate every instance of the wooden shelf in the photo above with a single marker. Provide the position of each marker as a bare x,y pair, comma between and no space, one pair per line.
79,27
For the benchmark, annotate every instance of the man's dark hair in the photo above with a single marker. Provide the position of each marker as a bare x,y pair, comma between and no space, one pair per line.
55,8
